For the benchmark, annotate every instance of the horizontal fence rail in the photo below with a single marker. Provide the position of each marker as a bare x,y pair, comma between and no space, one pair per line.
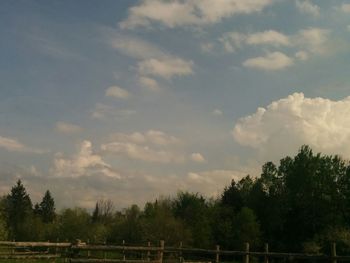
84,252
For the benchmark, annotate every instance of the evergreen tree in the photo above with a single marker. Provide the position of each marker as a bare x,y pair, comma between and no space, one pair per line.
47,208
96,214
18,208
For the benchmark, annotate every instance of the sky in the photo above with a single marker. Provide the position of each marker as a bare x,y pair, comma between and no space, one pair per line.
132,100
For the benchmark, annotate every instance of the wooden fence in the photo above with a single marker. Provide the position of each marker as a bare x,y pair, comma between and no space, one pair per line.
83,252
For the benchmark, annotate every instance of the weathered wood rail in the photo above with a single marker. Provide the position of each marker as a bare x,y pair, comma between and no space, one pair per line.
81,252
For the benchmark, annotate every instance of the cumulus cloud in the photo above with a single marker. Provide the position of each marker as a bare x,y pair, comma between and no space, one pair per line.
307,7
314,39
117,92
212,182
67,128
140,152
269,62
152,60
149,83
13,145
84,163
286,124
233,40
269,37
148,146
197,157
178,13
166,67
131,188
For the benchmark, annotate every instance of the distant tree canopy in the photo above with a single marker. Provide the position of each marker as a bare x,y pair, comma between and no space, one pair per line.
301,204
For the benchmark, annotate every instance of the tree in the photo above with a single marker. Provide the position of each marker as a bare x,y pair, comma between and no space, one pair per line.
3,228
193,210
232,197
47,208
246,228
159,223
103,211
18,209
74,224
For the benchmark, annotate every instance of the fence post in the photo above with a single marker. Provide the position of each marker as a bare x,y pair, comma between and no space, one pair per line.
105,253
334,252
266,258
246,256
180,258
123,250
88,253
217,258
13,248
148,252
161,251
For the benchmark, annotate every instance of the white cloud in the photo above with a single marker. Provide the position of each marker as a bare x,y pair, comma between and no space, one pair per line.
314,39
152,136
217,112
149,83
234,40
67,128
152,61
307,7
177,13
286,124
270,62
117,92
197,157
269,37
161,138
213,182
13,145
345,8
148,146
84,163
133,47
103,111
166,67
141,152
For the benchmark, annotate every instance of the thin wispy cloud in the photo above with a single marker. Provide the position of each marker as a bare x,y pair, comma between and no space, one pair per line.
67,128
190,13
14,145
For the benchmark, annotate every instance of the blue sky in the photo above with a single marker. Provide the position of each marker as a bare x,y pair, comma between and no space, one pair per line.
130,100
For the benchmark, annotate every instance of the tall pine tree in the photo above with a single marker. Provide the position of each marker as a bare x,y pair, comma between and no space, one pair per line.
47,208
18,207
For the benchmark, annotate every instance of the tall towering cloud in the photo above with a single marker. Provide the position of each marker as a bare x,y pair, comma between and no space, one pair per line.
84,163
288,123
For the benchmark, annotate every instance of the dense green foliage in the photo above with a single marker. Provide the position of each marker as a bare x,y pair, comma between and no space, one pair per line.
302,204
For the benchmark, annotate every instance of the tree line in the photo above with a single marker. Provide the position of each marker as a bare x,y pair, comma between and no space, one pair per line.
301,204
